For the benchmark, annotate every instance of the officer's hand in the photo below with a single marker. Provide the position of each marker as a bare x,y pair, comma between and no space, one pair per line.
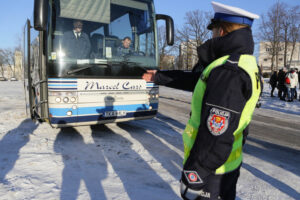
149,75
190,194
191,185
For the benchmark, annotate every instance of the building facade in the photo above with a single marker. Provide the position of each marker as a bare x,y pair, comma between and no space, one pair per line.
265,57
188,54
167,62
18,65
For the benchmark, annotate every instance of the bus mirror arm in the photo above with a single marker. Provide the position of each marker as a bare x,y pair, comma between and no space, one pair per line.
40,14
169,27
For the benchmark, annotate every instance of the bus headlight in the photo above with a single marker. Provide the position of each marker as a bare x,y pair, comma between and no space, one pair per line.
66,99
62,97
73,99
58,99
153,96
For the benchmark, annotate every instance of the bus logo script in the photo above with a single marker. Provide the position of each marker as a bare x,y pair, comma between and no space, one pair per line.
127,85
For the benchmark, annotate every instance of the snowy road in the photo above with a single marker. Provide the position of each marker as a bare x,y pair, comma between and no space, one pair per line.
132,160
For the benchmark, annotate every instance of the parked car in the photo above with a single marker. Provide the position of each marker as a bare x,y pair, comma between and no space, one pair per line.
13,79
3,79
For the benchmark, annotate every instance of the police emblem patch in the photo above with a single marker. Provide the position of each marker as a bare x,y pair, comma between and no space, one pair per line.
217,121
192,177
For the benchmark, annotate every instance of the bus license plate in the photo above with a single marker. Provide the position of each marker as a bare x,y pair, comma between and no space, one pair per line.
117,113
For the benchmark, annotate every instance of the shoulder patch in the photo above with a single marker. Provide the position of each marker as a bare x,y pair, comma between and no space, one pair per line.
217,121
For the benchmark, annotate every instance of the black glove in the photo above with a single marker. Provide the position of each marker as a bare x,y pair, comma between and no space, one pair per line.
190,194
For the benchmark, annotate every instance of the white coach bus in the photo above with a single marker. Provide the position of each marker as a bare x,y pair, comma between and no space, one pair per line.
96,81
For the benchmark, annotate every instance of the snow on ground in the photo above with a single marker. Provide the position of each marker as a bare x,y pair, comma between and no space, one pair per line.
133,160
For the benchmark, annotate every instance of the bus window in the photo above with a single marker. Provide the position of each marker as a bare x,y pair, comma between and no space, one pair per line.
121,27
96,53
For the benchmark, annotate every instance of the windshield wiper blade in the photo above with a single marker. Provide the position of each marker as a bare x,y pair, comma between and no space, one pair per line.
83,68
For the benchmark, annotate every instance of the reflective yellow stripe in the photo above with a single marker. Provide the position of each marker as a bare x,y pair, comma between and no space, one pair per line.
238,140
235,157
189,136
235,161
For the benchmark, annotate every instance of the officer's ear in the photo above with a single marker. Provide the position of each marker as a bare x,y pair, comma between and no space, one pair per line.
218,31
215,32
221,32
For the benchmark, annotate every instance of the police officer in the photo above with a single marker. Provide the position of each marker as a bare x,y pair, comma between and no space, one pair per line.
226,89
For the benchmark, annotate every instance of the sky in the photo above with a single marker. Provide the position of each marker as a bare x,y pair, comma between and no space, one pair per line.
13,13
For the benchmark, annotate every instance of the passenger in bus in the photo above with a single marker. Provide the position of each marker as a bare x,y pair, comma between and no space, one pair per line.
76,43
125,48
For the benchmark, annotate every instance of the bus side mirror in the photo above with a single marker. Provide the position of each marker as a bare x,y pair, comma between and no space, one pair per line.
169,27
40,14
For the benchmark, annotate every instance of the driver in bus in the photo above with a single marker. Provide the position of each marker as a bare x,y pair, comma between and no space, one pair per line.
125,48
77,43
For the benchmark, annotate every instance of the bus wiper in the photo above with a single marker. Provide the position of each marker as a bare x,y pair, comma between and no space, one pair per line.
130,64
87,67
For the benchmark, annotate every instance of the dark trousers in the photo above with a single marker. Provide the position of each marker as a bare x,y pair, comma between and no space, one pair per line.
223,186
282,92
272,91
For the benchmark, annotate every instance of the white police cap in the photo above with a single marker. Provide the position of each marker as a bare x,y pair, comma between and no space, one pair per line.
224,13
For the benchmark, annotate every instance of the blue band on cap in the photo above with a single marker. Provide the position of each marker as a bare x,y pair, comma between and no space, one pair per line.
233,18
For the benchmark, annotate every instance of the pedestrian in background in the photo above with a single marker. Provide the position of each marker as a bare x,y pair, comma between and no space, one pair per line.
282,90
291,84
273,82
297,80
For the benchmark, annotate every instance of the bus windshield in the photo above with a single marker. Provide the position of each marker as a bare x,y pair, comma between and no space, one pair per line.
100,38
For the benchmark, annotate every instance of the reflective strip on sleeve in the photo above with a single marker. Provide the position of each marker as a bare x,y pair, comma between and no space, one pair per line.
188,136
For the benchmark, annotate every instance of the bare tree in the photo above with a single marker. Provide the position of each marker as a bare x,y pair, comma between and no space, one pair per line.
294,32
290,29
270,29
286,25
191,35
1,62
196,24
18,41
9,59
184,45
165,51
